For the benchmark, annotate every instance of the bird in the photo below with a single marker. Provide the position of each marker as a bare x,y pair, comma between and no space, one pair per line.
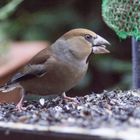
59,67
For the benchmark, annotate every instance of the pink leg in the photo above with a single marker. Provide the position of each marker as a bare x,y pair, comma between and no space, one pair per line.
19,106
69,98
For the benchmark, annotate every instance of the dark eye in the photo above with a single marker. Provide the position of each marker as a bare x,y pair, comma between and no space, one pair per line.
88,37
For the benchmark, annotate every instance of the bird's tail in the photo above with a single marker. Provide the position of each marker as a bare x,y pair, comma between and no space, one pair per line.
7,88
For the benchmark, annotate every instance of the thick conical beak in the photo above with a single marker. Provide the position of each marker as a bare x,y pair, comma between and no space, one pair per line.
99,45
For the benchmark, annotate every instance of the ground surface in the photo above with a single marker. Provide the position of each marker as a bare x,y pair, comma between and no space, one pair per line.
114,109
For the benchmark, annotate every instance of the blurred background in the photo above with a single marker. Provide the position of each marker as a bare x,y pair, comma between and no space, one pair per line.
49,19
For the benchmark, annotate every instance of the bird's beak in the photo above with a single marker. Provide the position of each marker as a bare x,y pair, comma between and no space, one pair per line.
99,45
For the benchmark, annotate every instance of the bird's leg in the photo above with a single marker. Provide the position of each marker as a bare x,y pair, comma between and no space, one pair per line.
69,98
19,106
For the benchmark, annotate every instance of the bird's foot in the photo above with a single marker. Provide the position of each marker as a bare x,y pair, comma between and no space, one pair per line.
19,107
69,98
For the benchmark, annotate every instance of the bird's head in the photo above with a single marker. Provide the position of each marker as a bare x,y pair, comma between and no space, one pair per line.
83,42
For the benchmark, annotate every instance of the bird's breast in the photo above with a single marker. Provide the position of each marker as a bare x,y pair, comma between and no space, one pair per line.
63,76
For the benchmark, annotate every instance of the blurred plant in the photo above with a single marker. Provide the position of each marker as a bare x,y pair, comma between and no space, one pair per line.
120,67
123,17
8,9
42,25
5,12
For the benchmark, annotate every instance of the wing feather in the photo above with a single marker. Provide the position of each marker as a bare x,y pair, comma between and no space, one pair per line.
35,68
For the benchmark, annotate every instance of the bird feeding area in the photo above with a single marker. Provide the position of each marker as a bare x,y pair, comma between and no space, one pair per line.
109,115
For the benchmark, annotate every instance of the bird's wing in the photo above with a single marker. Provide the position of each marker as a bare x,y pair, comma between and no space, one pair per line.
35,68
40,57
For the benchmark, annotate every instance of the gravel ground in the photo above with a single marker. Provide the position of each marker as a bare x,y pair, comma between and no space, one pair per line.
113,109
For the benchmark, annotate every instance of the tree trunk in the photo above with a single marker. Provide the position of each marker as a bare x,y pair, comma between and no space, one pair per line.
136,63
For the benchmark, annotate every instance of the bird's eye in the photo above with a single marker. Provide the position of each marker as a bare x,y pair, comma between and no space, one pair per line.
88,37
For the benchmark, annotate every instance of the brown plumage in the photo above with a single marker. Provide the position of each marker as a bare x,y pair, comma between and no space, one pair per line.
59,67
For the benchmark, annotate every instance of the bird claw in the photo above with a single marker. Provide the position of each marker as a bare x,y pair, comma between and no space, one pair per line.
73,100
69,98
19,107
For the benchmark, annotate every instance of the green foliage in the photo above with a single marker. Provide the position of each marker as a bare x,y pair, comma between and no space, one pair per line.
123,16
5,12
109,65
116,66
41,25
8,9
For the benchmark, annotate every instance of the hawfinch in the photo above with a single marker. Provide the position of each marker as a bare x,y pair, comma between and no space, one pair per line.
59,67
